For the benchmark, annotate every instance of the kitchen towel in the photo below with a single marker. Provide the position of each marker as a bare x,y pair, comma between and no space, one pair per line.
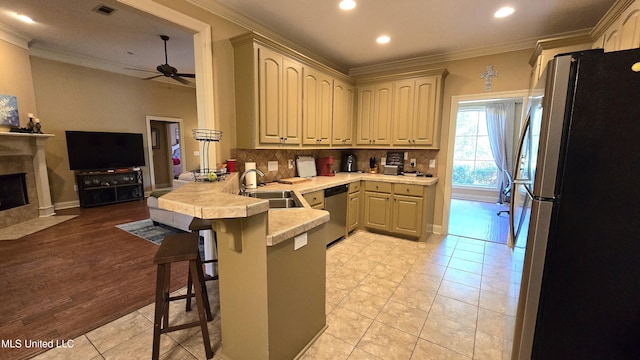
250,178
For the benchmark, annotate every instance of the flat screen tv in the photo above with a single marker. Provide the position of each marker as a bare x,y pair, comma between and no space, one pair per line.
104,150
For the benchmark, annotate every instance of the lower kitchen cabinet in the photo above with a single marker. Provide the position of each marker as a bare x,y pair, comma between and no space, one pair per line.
354,207
315,199
377,212
407,215
397,209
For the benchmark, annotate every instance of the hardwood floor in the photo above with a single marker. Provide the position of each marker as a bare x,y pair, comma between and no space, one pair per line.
479,220
69,279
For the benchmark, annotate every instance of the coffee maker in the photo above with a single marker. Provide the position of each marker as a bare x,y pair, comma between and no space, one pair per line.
324,165
349,163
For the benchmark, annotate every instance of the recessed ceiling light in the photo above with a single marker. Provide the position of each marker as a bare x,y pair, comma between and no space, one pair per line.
383,39
347,4
504,12
23,18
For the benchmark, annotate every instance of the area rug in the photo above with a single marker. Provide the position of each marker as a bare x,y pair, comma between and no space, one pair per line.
22,229
147,230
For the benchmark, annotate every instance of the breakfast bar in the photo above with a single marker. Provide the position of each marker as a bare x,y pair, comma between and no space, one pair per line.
271,265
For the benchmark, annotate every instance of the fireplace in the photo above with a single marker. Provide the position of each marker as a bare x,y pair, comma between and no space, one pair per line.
24,154
13,191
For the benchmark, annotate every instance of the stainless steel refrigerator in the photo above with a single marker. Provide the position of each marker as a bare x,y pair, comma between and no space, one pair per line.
576,210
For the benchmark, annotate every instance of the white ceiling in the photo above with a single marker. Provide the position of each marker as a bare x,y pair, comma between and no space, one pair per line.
130,39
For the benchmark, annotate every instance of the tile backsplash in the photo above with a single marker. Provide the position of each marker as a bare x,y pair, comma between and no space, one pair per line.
262,158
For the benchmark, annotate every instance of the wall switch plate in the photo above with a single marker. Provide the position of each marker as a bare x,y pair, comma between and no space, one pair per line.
196,153
299,241
406,155
412,163
272,166
290,163
432,163
383,161
75,187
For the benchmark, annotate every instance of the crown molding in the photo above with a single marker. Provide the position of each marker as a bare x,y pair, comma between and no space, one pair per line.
91,62
14,37
562,40
610,17
365,71
264,31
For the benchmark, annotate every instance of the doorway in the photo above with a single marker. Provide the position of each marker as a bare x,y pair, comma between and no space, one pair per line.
474,206
165,152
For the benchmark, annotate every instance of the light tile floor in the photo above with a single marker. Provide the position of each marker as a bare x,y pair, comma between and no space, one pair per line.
387,298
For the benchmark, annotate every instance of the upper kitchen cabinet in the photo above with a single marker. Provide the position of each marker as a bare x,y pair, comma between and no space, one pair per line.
415,111
317,107
374,107
401,110
343,101
268,97
623,33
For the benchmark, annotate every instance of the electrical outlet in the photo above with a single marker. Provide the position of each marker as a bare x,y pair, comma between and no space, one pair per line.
272,166
299,241
75,187
412,163
290,163
383,161
196,153
406,155
432,163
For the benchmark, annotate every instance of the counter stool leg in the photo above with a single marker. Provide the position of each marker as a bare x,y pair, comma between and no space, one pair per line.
166,290
205,293
159,310
201,301
189,293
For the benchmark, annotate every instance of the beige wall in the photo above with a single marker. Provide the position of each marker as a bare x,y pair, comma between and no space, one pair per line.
514,73
16,78
72,97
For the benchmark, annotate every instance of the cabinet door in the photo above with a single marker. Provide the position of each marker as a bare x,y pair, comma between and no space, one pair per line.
403,98
377,211
270,92
407,215
317,107
343,97
291,102
365,115
353,217
382,114
424,113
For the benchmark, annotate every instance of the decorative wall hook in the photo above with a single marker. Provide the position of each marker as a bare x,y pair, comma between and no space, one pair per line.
487,76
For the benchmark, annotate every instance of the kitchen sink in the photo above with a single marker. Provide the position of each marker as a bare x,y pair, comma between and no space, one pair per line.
278,199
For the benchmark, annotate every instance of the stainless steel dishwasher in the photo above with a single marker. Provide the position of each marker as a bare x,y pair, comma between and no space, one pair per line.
335,202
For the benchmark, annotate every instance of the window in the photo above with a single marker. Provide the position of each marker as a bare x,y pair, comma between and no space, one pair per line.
473,163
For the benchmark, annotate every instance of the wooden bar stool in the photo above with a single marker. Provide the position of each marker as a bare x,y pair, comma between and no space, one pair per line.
195,226
176,248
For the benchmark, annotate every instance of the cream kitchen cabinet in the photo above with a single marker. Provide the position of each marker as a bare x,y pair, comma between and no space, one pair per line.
395,208
415,110
343,101
354,206
624,32
374,119
317,108
268,96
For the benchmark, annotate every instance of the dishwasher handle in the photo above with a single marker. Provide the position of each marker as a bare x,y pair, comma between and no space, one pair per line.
336,190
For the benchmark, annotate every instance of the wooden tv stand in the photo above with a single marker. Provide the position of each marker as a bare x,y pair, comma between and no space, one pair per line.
102,187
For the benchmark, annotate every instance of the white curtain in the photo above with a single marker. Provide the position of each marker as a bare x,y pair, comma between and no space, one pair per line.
500,123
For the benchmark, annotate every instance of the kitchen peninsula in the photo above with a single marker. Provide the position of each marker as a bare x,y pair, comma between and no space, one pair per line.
272,263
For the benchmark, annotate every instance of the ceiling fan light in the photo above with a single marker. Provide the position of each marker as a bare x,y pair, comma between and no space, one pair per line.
504,12
347,4
24,18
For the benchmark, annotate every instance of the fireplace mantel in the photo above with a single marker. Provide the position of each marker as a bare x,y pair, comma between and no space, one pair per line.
21,144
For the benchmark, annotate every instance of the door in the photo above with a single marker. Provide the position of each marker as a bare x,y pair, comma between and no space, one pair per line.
365,115
291,102
354,211
270,95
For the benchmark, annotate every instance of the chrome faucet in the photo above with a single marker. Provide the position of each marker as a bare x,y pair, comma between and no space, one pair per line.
242,185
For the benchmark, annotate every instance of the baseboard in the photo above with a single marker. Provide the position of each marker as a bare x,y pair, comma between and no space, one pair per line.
476,197
66,205
437,229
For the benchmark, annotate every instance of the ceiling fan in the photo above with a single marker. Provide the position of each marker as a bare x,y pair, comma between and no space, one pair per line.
168,70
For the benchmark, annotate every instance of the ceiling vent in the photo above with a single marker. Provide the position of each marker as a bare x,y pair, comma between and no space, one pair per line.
104,10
